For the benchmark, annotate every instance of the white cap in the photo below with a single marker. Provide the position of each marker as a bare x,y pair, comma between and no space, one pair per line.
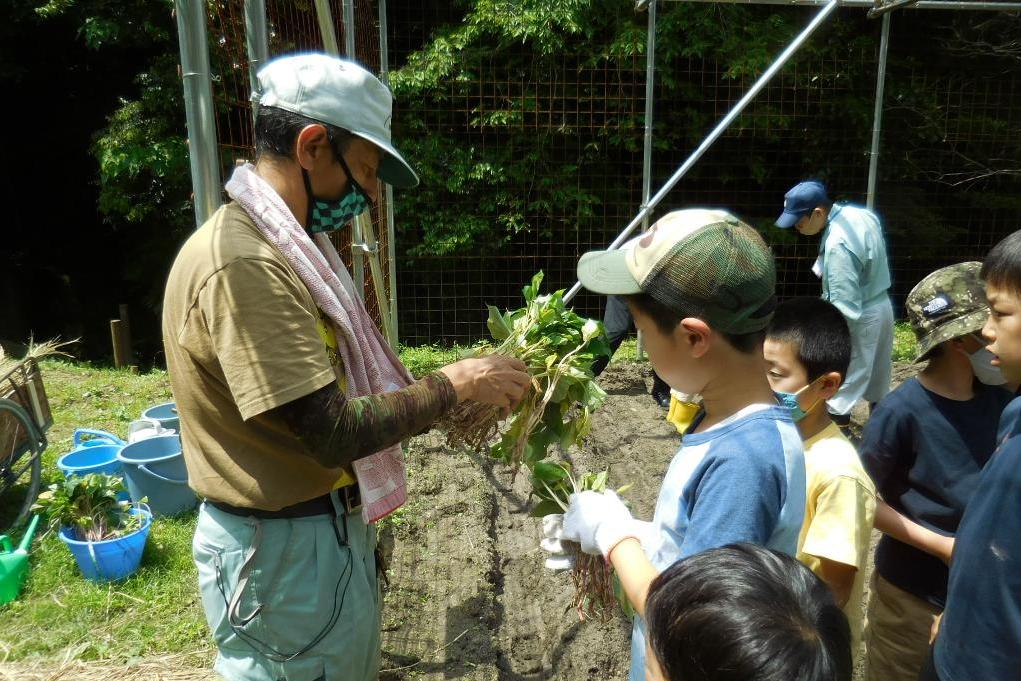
341,93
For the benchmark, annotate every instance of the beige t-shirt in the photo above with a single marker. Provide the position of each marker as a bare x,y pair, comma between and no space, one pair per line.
241,337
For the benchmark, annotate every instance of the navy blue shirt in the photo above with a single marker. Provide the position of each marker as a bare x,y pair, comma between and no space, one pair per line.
925,453
980,637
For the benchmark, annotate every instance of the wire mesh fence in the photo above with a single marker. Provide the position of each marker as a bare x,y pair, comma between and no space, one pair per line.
567,129
291,27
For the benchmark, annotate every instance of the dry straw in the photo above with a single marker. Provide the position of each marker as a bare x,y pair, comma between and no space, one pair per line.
179,667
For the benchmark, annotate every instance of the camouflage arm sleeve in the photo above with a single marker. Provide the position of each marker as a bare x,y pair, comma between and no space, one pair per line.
337,430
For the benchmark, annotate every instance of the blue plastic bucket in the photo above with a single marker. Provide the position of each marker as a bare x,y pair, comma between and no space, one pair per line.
154,469
91,459
99,437
110,559
166,414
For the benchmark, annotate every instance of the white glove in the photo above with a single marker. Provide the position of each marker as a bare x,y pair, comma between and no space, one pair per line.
561,558
598,521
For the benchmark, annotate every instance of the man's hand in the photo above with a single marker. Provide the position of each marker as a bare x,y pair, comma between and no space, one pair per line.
496,380
598,521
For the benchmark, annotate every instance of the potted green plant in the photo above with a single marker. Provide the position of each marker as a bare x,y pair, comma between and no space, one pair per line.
105,535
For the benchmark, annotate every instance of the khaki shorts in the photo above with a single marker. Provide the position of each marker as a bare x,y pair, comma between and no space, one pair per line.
897,630
273,588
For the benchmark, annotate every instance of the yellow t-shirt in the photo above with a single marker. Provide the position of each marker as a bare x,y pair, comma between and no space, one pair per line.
840,507
241,334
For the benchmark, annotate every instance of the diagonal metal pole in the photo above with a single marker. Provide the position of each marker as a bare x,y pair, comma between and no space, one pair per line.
720,128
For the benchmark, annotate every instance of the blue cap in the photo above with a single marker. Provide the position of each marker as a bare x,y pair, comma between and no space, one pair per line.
800,201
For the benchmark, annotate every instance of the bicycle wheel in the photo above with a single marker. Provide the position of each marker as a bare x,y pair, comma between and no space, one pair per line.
20,469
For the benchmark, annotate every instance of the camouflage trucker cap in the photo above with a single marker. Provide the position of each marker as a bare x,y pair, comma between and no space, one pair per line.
947,304
697,262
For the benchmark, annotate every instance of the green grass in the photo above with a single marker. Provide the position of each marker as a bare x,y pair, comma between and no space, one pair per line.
156,610
905,346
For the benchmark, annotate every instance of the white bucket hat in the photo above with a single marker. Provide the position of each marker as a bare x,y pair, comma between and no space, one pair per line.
341,93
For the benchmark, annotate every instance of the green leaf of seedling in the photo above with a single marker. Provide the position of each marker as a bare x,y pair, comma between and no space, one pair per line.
499,326
591,330
583,423
550,472
599,347
538,445
594,396
595,481
544,508
532,290
569,436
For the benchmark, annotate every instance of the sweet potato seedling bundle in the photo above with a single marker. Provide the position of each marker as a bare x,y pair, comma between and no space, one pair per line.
558,347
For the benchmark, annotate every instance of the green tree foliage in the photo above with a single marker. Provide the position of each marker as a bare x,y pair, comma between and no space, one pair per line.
538,168
142,154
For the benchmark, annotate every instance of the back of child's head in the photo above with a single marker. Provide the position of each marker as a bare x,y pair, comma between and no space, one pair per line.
693,263
745,613
1002,266
817,332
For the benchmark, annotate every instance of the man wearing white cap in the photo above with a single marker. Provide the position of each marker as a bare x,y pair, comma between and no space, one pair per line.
292,405
855,277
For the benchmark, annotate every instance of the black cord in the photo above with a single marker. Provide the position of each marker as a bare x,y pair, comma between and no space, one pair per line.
268,651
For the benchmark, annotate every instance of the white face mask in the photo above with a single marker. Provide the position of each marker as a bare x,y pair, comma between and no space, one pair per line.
981,364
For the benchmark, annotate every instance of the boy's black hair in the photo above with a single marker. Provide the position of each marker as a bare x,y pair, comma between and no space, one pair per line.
1002,266
818,333
276,131
745,613
667,319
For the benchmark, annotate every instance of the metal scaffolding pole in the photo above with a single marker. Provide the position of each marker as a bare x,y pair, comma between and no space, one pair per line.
720,128
391,232
257,42
349,28
198,106
650,91
877,114
358,244
650,97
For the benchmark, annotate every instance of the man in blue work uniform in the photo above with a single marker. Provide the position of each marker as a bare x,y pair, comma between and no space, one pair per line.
855,278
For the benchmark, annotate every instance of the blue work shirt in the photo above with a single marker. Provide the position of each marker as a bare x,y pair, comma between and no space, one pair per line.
852,260
980,637
742,480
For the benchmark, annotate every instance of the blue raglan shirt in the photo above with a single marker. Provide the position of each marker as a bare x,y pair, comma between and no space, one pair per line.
743,480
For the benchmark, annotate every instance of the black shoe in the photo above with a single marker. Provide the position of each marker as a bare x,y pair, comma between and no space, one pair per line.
662,399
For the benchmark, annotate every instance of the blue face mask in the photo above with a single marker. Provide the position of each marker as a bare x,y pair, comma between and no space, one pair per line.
790,400
329,216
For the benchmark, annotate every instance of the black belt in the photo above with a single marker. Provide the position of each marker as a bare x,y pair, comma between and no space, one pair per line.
349,498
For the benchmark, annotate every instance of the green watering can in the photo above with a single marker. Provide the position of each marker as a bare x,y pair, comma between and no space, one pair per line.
14,564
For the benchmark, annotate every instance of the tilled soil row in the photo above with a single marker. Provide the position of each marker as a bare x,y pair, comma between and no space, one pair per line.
469,597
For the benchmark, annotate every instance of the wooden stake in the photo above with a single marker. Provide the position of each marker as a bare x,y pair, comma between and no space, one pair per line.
120,352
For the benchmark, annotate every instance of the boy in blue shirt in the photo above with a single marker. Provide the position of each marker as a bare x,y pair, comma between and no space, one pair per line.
980,635
925,446
700,285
